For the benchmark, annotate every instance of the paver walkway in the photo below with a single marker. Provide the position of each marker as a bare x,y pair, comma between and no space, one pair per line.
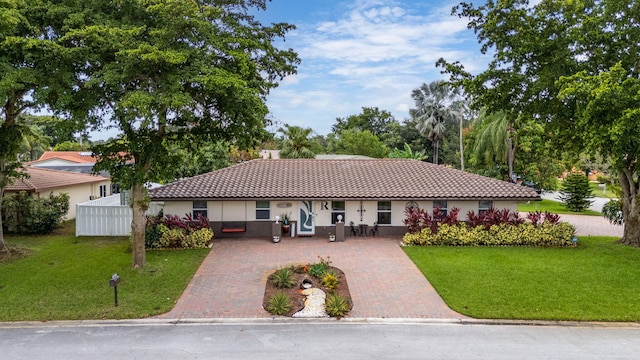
383,281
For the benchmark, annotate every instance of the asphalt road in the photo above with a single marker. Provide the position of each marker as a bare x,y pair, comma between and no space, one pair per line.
317,340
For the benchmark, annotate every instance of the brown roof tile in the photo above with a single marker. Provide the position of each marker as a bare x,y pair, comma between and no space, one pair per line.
341,179
44,179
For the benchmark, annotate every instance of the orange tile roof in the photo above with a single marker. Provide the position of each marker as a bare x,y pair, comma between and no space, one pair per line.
71,156
342,179
44,179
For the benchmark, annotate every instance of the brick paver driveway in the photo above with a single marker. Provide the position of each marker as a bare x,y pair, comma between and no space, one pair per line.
383,282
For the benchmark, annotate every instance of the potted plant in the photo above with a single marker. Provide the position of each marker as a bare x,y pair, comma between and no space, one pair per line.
332,237
286,226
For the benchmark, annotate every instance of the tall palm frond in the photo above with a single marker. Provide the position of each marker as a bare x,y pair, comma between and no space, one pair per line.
433,110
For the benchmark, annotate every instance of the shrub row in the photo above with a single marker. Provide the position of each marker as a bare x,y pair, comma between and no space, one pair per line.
24,214
545,234
173,232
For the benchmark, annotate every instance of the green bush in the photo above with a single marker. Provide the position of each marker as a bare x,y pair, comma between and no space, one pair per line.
318,269
283,278
336,305
546,234
612,211
330,281
279,304
24,214
575,193
158,235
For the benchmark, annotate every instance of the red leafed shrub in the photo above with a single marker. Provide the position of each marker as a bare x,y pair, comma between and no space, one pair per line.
418,219
492,217
538,218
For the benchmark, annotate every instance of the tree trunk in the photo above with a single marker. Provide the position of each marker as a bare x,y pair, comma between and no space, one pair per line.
630,208
3,246
139,204
461,147
436,145
510,156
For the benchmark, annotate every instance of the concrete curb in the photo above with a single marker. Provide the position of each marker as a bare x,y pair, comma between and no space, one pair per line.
315,321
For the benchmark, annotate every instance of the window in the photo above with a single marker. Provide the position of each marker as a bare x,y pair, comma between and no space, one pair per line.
103,190
337,208
484,205
384,212
442,205
199,209
263,210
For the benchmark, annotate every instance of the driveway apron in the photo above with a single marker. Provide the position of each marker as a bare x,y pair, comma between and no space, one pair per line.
383,281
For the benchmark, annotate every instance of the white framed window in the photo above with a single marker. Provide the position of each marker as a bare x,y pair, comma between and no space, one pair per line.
199,209
103,190
384,212
263,210
337,208
484,205
442,205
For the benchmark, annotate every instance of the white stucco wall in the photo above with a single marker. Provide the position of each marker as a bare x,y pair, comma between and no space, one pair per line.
78,194
246,210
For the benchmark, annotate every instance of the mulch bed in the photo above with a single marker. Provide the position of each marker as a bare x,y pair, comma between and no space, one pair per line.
294,293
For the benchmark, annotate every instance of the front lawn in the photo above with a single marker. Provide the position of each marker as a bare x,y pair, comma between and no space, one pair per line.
65,277
597,281
551,206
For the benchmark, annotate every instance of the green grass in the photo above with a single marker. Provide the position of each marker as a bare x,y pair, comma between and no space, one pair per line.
555,207
608,193
65,277
596,281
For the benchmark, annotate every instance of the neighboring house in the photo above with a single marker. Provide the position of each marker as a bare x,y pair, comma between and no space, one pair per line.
244,199
72,161
79,187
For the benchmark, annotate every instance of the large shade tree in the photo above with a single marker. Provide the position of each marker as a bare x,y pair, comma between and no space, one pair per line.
435,108
571,65
33,73
168,73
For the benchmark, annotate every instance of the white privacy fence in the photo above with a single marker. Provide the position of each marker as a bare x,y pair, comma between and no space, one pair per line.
106,217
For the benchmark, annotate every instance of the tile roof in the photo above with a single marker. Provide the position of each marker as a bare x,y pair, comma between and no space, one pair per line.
45,179
341,179
78,157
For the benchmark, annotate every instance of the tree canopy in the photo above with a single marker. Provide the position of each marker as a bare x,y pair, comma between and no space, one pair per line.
174,73
571,66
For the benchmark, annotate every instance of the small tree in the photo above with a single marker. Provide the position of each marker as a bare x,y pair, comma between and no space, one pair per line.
575,193
612,211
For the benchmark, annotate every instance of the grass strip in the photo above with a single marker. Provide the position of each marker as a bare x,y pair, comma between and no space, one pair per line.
596,281
551,206
67,277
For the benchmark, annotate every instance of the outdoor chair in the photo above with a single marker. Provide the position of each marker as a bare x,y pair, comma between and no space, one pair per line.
374,230
354,230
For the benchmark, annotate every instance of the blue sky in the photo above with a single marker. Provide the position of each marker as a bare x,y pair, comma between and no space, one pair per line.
364,53
361,53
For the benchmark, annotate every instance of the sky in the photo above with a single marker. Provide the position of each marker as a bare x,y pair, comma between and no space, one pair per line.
364,53
361,53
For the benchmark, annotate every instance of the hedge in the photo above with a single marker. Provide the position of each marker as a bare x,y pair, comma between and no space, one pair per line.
546,234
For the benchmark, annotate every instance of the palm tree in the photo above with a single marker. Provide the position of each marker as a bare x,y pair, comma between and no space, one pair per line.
34,143
434,109
296,143
407,153
496,141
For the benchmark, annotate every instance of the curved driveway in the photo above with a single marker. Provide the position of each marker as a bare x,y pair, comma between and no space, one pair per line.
383,281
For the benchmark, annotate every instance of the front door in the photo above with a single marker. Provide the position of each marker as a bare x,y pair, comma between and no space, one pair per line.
305,221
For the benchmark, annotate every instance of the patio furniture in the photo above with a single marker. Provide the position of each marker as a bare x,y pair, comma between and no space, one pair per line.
363,229
374,231
354,231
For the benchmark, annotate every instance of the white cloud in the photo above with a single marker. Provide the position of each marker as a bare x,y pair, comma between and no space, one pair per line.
371,54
